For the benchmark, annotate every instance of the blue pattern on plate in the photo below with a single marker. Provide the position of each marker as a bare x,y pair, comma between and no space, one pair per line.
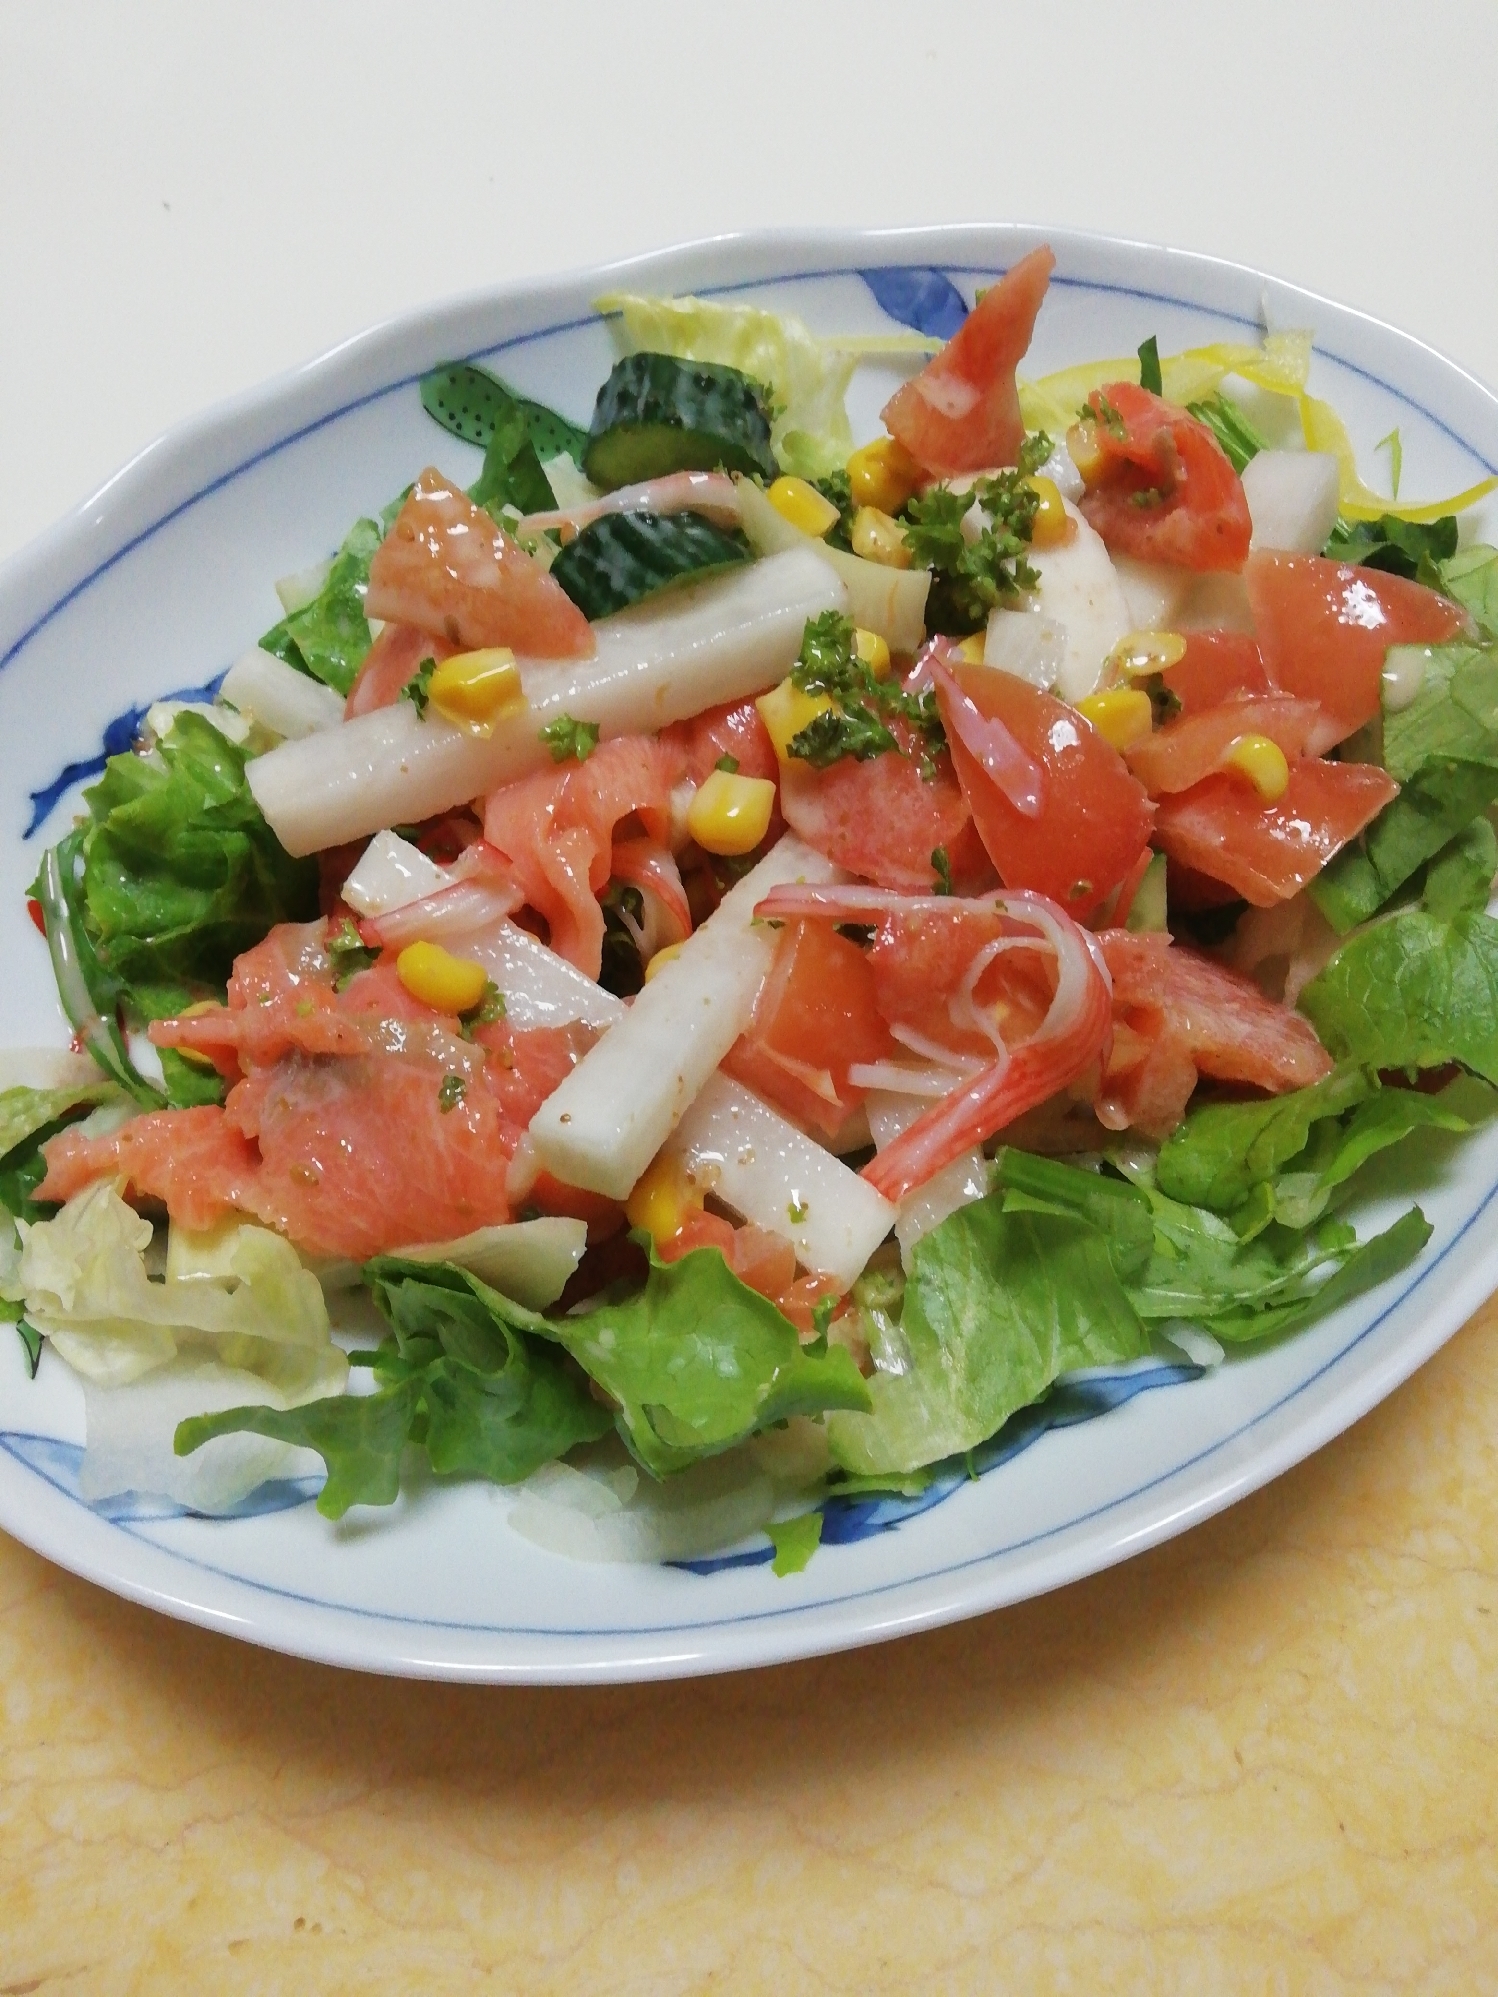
120,737
59,1463
845,1520
918,296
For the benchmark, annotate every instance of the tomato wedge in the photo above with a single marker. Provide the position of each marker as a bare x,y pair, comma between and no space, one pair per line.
1183,752
734,729
1165,490
815,1018
1324,627
1217,665
1093,816
884,818
1223,828
961,412
389,664
446,567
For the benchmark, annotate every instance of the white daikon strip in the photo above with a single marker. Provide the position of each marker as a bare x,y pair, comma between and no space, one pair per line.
288,703
1080,591
1154,591
720,640
745,1154
891,602
1292,499
1026,643
957,1185
390,873
602,1126
529,1260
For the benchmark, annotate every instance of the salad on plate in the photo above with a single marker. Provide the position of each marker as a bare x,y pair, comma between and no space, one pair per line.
703,973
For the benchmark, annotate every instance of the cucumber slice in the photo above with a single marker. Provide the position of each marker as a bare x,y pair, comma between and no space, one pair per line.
472,403
656,414
622,558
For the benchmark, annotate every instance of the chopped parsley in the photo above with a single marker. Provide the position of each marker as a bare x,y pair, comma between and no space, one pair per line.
1239,439
418,689
941,866
1098,409
838,488
348,953
729,765
857,725
1149,367
451,1093
798,1209
567,738
970,578
490,1007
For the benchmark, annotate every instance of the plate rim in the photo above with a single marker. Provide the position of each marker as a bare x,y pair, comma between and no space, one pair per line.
166,462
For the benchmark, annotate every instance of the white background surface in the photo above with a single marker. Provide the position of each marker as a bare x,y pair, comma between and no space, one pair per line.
194,197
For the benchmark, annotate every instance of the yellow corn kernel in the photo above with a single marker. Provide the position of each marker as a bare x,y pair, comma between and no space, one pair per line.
971,649
476,687
785,710
806,509
879,539
1122,716
662,1200
1138,654
1084,451
190,1054
873,651
883,474
730,814
1052,524
1262,762
662,958
437,978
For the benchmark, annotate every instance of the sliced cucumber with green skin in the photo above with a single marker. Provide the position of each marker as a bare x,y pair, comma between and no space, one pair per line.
472,403
656,414
622,558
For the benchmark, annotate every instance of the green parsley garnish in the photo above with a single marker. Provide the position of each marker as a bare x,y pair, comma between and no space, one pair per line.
451,1093
418,689
1149,367
941,866
970,578
491,1006
568,738
1101,410
348,953
798,1210
729,765
1239,439
857,725
838,488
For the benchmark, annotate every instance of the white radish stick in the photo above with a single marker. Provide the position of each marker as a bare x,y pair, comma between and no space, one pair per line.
744,1153
265,689
716,641
611,1115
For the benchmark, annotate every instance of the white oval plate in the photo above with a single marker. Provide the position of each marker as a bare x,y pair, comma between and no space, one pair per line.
159,582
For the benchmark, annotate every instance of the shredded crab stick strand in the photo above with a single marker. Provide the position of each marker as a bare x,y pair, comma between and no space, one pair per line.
712,493
618,1106
722,640
734,1146
290,704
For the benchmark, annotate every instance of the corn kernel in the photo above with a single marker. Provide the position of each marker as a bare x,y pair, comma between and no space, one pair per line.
785,710
1052,524
1122,716
476,687
1085,452
878,538
1262,762
1138,654
730,814
873,651
662,1200
808,510
438,979
883,474
971,649
661,959
190,1054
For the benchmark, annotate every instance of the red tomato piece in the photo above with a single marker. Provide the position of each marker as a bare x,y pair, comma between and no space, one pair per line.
731,730
816,1016
1217,665
961,412
1094,816
1222,827
920,961
1324,627
448,568
1184,751
1165,490
389,664
883,818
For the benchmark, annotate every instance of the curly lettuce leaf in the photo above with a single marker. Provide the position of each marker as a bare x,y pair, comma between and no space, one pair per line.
1412,991
807,378
997,1305
329,637
1471,576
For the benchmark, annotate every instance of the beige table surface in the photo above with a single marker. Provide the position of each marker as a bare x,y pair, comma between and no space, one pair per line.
1260,1759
